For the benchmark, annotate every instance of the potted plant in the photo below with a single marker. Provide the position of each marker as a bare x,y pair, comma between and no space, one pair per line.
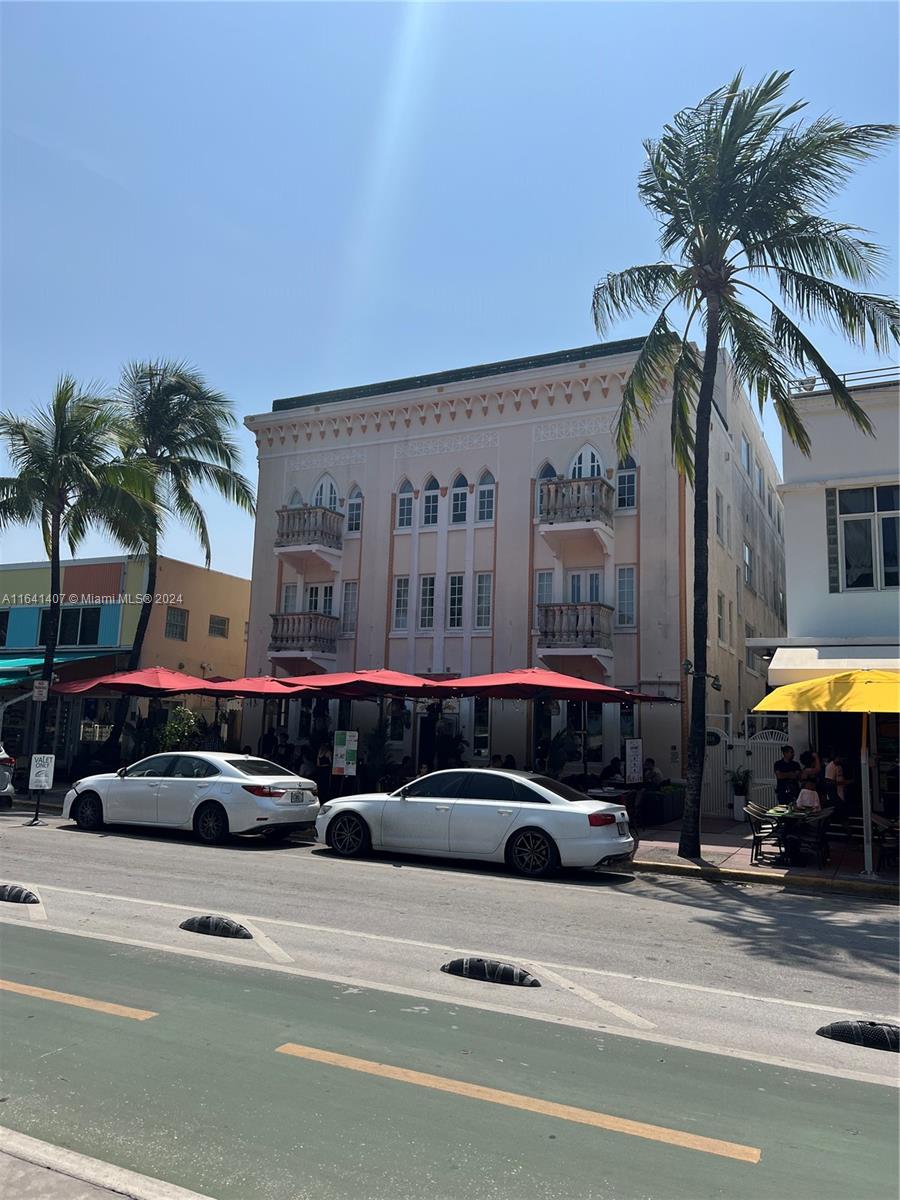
739,778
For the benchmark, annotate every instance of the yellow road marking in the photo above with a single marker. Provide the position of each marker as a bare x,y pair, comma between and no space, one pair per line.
112,1010
546,1108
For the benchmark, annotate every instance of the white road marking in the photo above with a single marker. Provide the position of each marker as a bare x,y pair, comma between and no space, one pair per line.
502,954
263,941
90,1170
615,1010
751,1056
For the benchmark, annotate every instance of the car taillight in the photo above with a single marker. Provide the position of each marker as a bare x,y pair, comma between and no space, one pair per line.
260,789
601,818
7,762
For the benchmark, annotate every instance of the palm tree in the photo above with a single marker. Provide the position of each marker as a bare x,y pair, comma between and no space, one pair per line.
739,189
183,431
70,475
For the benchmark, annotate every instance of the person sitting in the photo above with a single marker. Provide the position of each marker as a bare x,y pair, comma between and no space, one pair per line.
612,772
653,776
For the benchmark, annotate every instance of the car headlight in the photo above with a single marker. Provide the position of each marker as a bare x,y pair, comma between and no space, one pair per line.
324,809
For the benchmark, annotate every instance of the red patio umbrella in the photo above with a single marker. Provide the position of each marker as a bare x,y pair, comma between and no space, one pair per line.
358,684
536,683
146,681
262,687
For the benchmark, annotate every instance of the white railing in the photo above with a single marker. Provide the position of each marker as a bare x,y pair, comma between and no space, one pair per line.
309,526
304,631
575,500
575,625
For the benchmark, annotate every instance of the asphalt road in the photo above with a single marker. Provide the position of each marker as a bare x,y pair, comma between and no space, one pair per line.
330,1057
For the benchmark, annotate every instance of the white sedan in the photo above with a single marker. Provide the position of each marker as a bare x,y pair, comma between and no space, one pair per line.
212,793
531,822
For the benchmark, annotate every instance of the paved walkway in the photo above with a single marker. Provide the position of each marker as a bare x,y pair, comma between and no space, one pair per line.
726,847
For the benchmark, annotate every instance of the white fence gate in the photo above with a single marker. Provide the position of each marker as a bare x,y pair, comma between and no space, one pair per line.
763,751
716,796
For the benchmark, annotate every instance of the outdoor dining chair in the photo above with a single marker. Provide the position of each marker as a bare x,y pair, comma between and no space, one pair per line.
765,832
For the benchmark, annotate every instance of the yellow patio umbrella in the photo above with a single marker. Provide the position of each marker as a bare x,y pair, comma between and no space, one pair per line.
851,692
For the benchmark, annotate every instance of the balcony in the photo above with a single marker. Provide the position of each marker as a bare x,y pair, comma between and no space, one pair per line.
576,510
303,635
575,627
309,533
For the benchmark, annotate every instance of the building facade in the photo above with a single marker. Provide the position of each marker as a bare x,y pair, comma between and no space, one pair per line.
479,520
197,625
842,512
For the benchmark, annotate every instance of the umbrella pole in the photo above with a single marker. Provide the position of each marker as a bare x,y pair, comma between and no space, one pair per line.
868,872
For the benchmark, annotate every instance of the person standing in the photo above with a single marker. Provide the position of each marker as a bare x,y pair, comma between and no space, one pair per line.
323,772
787,777
808,796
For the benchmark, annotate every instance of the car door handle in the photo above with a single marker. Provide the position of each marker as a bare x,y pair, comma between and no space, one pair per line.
504,812
442,808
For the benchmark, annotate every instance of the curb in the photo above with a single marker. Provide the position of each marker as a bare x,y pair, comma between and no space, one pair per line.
103,1175
863,887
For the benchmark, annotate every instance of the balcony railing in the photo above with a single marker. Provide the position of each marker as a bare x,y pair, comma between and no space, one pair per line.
309,526
304,632
588,625
564,500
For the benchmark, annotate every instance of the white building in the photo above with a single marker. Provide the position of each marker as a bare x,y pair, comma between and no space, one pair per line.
478,520
842,511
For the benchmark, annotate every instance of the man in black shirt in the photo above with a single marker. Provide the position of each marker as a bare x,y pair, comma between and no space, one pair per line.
787,776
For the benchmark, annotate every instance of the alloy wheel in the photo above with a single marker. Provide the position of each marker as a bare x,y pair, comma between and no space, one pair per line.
347,835
531,853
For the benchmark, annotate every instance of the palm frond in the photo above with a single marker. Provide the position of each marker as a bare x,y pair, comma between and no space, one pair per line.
637,289
641,393
857,315
686,377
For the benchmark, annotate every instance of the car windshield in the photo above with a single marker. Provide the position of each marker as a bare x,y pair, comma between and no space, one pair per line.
559,789
258,766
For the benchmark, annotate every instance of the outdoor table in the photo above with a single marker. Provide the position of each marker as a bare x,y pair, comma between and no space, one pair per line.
787,817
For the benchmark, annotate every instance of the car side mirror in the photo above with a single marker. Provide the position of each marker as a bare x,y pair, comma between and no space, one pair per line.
404,792
121,772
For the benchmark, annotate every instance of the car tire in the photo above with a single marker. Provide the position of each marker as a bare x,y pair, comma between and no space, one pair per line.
348,835
532,853
211,823
276,834
88,812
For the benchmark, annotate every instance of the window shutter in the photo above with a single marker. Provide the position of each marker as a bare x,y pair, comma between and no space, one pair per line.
831,539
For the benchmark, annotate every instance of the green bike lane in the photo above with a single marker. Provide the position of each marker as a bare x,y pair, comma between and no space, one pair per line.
198,1094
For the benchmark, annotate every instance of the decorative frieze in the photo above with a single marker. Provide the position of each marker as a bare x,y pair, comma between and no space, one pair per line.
447,445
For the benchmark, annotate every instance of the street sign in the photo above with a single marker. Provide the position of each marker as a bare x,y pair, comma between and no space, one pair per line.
346,742
40,778
634,760
40,691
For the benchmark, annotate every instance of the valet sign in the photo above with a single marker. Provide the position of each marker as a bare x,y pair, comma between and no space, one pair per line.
634,760
40,778
346,742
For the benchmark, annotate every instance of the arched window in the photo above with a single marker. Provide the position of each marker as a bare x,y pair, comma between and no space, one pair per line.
405,505
430,496
459,500
486,490
354,511
547,472
325,493
296,500
626,485
586,464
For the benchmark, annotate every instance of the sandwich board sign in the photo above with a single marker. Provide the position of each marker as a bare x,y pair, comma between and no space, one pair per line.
634,760
40,777
346,744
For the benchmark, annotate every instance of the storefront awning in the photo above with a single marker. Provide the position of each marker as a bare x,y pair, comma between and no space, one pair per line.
18,669
793,664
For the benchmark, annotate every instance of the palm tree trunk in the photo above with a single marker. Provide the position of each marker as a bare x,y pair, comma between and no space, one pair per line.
53,630
689,842
137,645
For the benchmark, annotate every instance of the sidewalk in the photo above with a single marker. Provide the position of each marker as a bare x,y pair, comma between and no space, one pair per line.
726,855
34,1170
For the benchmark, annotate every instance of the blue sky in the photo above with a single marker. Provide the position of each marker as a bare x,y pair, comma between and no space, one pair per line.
306,196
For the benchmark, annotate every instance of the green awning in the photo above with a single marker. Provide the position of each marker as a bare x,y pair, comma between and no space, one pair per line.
17,669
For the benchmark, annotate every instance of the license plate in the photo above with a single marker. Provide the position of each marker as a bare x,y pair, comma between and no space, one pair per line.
298,797
622,828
